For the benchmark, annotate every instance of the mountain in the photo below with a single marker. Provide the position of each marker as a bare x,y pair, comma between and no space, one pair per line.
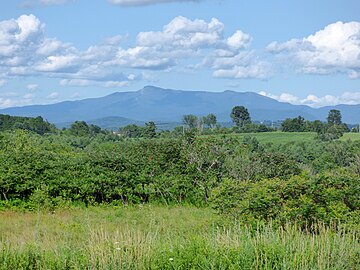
167,105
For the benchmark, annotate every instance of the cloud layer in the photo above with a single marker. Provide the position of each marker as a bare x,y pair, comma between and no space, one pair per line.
334,49
349,98
26,51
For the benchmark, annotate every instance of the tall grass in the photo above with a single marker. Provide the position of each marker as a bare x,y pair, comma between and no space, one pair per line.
152,237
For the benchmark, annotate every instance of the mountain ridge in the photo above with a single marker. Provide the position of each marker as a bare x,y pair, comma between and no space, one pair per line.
158,104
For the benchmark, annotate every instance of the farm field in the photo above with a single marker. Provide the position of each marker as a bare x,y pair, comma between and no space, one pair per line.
350,136
278,137
286,137
154,237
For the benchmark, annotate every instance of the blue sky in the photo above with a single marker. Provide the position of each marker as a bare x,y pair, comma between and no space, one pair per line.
302,52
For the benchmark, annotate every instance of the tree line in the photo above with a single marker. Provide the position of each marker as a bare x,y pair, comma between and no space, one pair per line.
330,130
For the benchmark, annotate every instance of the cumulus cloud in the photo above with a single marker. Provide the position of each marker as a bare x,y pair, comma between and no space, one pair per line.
241,65
334,49
349,98
130,3
26,51
53,95
8,99
32,87
6,102
185,38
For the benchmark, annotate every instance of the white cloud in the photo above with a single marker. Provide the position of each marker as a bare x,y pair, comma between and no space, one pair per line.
257,70
183,38
53,95
129,3
32,87
8,99
53,2
6,102
2,83
239,40
26,51
61,63
75,95
241,65
349,98
80,82
28,96
11,99
334,49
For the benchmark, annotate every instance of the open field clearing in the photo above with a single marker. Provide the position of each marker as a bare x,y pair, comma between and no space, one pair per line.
152,237
286,137
350,136
279,137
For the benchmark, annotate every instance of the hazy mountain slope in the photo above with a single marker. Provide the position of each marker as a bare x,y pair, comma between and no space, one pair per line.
157,104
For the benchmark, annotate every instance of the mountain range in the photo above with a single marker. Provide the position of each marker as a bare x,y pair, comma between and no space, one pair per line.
166,105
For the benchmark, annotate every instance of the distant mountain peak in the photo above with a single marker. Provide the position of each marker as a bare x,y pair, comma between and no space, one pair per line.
151,88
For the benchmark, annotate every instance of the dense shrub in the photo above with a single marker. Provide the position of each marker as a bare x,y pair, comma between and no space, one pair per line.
104,169
329,197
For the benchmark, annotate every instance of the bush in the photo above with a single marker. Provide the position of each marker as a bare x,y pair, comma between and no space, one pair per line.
301,199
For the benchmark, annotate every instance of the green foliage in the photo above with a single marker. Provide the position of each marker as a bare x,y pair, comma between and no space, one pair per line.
334,117
82,129
271,182
253,128
240,116
37,125
135,131
332,132
104,169
209,120
334,128
300,199
293,125
191,121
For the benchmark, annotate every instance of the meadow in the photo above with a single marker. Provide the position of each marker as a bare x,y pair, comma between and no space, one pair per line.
288,137
159,237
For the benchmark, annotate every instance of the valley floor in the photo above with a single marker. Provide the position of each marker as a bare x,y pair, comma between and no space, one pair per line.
154,237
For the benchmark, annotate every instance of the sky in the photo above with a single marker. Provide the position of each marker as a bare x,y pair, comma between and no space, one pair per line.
302,52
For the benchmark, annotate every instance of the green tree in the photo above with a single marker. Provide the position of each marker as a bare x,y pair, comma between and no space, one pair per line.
131,131
190,120
210,120
240,116
79,128
293,124
334,117
150,130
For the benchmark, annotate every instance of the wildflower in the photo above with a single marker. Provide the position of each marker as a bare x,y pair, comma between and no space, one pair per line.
171,259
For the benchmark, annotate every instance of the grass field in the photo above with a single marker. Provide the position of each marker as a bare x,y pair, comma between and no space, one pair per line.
152,237
282,137
351,136
286,137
